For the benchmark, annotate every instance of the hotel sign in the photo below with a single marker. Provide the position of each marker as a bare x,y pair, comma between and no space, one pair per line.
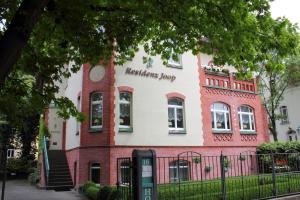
147,74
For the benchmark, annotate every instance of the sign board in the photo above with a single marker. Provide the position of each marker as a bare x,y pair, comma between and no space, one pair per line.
144,175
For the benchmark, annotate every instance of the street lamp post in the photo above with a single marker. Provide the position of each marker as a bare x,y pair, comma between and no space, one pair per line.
4,136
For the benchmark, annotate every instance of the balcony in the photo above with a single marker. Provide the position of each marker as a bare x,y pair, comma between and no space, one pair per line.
225,80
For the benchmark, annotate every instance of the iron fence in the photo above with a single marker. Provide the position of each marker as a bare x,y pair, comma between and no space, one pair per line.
191,175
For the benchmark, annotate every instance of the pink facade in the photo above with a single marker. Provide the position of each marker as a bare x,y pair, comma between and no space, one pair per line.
99,145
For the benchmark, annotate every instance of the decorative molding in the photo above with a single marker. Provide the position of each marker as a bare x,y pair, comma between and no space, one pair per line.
223,137
249,137
228,92
175,95
125,89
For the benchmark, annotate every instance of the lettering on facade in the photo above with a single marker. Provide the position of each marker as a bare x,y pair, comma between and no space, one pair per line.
147,193
148,74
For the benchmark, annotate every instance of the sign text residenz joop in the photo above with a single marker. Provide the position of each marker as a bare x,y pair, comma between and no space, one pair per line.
148,74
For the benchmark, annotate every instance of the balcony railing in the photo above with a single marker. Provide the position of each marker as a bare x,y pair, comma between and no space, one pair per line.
228,81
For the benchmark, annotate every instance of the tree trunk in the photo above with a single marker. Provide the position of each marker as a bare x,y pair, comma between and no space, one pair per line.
16,36
273,130
29,134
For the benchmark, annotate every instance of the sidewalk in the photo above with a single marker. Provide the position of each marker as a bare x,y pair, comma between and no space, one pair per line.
22,190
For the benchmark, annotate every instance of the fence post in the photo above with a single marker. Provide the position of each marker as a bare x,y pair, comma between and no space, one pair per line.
178,176
274,176
241,161
223,183
288,171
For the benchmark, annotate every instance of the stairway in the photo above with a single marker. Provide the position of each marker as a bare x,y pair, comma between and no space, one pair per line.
59,174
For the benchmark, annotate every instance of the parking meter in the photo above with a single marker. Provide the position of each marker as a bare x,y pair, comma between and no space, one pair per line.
144,175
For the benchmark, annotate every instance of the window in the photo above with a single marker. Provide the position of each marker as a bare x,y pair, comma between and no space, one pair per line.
95,172
125,110
96,111
125,172
284,114
246,118
176,114
179,171
79,110
220,117
10,153
175,60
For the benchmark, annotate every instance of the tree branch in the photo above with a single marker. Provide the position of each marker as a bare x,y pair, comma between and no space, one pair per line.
16,36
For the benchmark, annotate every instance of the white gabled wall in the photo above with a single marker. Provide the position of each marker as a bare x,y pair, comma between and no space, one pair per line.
291,100
150,104
74,86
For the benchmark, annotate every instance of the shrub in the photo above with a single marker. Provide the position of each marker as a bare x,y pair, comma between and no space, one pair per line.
19,165
34,177
279,147
116,195
92,192
104,193
87,185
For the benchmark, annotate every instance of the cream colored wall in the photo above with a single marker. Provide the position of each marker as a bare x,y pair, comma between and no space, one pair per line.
291,100
55,123
74,86
150,105
55,127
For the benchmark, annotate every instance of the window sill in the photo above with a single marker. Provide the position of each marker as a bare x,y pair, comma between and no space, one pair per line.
248,132
177,132
171,65
95,130
126,130
284,123
221,132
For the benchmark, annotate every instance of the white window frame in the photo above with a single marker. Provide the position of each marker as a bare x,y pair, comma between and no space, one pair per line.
92,103
286,120
250,115
11,153
127,103
78,124
173,63
174,165
225,112
177,107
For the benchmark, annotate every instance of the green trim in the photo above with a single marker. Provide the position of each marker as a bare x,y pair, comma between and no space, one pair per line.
126,130
248,132
177,132
95,130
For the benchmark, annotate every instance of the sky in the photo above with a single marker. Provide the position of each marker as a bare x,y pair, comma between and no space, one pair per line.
288,8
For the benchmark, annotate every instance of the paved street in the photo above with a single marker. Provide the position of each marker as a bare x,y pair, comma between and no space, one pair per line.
22,190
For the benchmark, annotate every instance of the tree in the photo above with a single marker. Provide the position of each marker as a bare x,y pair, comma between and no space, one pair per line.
38,37
85,31
274,82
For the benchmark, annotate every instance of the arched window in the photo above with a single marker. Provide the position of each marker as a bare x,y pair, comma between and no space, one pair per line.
179,170
246,118
96,115
125,110
220,117
176,114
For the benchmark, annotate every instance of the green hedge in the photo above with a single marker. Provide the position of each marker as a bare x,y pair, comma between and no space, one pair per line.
94,192
279,147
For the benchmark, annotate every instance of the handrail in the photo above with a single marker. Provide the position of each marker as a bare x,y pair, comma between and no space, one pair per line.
45,151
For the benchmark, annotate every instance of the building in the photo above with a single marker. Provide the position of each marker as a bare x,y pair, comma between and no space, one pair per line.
189,105
288,127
